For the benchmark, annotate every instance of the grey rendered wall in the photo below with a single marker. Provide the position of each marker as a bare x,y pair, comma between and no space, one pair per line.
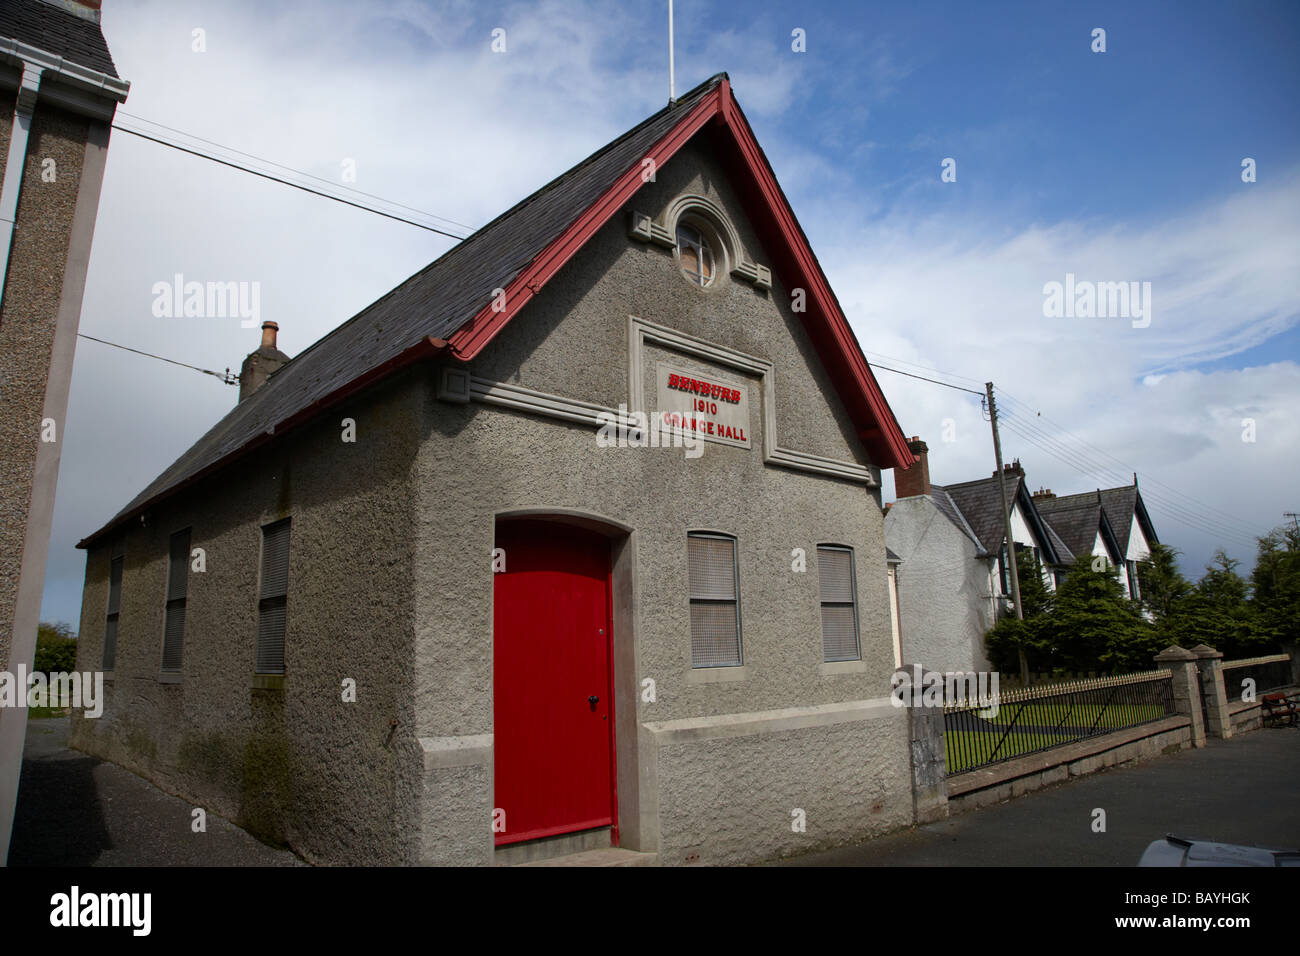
296,765
943,588
718,766
32,294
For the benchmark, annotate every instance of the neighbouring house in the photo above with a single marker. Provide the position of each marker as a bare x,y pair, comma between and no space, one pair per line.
59,91
953,576
1110,522
447,587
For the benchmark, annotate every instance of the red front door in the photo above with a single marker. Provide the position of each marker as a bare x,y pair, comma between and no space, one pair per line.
552,707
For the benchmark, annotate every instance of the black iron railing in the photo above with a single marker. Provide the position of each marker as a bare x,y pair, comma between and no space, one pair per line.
1269,673
1040,718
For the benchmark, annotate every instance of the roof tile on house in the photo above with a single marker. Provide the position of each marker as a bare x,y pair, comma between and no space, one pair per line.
434,302
1120,505
1076,524
56,31
943,501
1064,553
451,295
980,502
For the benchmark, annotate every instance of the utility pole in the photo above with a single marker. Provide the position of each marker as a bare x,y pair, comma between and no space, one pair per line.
1006,525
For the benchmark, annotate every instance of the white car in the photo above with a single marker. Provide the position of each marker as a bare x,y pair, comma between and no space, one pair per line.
1175,851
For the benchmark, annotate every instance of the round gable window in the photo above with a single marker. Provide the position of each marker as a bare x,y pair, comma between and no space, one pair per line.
695,254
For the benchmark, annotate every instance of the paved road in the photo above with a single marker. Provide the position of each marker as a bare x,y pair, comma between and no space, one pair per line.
1241,790
77,810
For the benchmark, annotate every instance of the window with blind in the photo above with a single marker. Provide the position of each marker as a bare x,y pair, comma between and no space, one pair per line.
178,577
715,600
273,599
839,608
116,564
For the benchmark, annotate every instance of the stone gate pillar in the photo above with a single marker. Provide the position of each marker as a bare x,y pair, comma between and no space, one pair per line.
1187,687
929,770
1209,663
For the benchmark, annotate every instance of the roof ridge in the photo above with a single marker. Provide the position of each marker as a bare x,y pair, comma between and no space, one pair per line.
478,233
432,303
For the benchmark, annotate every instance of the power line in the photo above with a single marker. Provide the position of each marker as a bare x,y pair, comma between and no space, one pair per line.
1127,467
1174,511
286,182
1196,513
924,379
924,368
1063,453
1192,515
226,377
299,172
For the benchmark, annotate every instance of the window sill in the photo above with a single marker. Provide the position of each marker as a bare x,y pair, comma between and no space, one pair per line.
169,677
828,668
268,682
716,675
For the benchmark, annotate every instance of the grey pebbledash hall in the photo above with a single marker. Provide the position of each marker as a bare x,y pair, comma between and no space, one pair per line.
401,606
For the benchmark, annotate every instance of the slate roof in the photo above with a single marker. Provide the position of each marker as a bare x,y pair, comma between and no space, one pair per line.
434,302
56,31
1064,553
980,503
943,501
1120,505
1077,526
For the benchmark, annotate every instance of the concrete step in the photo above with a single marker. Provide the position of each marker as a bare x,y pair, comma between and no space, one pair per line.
607,856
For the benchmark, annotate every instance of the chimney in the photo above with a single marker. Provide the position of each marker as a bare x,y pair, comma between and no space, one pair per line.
915,480
260,365
1011,469
1043,494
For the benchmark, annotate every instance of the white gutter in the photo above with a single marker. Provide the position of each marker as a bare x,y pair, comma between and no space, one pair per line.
13,184
39,68
64,69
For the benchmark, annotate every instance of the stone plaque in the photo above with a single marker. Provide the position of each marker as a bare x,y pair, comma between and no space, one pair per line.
704,404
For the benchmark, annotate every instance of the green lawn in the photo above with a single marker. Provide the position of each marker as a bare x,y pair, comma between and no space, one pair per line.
1044,715
960,744
960,753
45,713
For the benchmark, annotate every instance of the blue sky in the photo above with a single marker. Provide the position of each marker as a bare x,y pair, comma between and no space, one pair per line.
1115,166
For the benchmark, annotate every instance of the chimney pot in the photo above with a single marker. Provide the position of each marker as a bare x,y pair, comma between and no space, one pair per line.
261,363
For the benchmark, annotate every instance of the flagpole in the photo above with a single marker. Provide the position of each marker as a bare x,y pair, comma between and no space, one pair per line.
671,93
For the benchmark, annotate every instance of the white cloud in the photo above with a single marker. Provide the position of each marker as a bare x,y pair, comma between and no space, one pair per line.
435,120
1223,280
